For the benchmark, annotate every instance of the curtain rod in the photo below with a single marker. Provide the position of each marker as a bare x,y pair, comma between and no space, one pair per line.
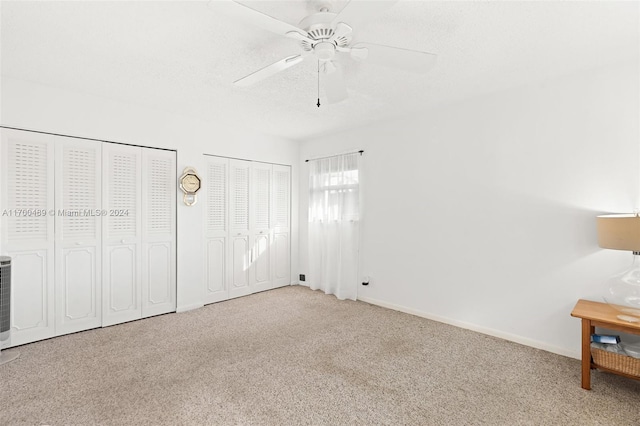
337,155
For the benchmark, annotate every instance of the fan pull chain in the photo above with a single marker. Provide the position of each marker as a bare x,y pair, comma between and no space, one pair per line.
318,83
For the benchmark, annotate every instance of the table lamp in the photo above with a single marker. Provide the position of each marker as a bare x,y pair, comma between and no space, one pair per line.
622,232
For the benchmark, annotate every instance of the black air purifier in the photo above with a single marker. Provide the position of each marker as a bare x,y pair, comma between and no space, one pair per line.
5,309
5,299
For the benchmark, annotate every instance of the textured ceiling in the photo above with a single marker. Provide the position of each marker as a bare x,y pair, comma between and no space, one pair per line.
182,56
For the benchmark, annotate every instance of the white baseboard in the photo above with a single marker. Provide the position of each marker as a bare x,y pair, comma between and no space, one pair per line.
474,327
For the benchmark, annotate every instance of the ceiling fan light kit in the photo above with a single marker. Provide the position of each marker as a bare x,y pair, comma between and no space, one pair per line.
326,36
324,50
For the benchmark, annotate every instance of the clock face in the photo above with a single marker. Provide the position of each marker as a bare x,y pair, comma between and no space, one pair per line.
190,183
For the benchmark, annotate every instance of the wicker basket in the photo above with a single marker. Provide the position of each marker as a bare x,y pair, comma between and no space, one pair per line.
617,362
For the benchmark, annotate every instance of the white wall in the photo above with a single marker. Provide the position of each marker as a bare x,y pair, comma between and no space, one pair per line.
35,107
482,213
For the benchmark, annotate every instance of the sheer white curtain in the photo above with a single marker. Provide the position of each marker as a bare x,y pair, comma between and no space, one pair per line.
334,222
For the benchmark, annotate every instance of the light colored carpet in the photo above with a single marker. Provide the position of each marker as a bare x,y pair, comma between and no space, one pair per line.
293,356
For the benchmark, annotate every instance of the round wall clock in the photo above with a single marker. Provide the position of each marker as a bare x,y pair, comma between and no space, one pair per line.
190,184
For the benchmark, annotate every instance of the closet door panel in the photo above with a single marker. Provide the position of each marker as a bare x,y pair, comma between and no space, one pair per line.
121,234
123,284
281,219
32,293
260,230
281,257
159,283
216,270
159,230
241,262
78,235
78,288
216,193
261,262
239,205
27,203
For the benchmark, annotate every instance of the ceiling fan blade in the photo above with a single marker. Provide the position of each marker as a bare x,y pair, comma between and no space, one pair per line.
335,87
269,70
395,57
259,19
357,12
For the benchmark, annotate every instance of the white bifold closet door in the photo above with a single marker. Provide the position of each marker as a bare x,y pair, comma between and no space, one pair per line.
91,230
240,243
27,186
281,225
138,233
247,222
77,243
217,270
158,232
122,234
260,228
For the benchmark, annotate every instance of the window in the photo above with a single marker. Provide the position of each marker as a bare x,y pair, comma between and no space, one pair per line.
334,189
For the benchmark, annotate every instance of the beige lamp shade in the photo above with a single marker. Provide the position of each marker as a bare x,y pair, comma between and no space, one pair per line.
619,232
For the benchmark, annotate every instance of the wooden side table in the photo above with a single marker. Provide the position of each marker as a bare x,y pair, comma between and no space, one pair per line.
596,314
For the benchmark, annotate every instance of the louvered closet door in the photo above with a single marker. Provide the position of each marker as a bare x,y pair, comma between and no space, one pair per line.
281,249
121,234
159,232
78,242
260,227
217,270
27,186
239,185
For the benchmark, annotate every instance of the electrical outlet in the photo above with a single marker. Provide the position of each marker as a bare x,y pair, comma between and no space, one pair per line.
302,277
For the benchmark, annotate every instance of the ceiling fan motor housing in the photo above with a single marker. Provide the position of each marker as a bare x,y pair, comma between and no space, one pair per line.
318,25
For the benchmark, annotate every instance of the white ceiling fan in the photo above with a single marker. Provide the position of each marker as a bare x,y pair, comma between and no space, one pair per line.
325,36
